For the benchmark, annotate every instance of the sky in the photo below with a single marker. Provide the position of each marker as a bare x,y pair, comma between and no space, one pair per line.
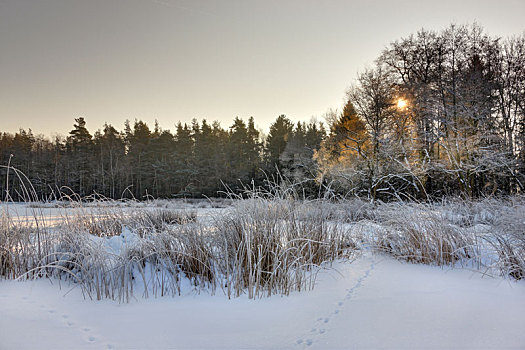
174,60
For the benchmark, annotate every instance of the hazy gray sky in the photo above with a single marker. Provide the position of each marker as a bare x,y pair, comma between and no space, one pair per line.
170,60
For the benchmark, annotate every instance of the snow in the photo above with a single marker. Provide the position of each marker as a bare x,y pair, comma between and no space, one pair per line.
52,214
374,302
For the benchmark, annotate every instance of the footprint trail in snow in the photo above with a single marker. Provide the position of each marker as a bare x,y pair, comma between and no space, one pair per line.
322,323
85,332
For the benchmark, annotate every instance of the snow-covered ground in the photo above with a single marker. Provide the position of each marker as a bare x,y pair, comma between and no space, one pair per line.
374,302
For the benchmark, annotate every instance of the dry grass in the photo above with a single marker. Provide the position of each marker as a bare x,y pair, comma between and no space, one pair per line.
487,235
268,249
423,237
261,247
158,220
265,245
509,239
164,259
104,223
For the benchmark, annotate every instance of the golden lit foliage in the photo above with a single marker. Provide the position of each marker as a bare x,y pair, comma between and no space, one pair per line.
348,140
351,132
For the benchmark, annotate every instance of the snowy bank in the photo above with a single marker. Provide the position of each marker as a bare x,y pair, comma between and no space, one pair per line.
374,302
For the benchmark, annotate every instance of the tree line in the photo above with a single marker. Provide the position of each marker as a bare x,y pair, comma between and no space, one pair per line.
138,162
440,113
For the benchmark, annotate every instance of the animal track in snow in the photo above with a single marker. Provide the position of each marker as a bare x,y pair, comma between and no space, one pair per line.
64,319
325,320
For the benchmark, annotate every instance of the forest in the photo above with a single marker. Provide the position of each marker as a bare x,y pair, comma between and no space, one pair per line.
438,114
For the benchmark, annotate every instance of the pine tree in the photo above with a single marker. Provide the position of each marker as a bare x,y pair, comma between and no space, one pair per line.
140,159
280,133
79,151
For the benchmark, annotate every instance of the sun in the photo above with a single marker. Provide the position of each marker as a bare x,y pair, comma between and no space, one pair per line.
401,103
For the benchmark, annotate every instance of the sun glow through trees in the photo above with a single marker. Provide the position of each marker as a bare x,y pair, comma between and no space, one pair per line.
401,103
